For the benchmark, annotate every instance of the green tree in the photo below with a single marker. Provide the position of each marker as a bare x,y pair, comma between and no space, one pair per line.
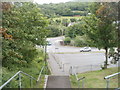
80,41
101,29
25,24
74,30
53,31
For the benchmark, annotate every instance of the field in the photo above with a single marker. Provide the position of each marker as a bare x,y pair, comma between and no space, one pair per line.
69,17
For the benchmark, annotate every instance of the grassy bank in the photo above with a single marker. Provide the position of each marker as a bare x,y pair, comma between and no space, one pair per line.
32,69
95,79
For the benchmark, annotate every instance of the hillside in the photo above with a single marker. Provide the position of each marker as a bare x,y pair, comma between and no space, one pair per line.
65,9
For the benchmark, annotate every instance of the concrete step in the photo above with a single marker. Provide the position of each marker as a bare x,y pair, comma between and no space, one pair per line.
57,81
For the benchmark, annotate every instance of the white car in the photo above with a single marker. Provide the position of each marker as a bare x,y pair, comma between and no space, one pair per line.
85,49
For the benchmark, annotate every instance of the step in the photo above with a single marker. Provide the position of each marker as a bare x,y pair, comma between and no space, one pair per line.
55,81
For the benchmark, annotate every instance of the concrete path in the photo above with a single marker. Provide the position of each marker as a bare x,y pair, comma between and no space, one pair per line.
56,67
59,77
58,82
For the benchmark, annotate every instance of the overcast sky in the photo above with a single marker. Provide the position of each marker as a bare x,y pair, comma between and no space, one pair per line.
50,1
58,1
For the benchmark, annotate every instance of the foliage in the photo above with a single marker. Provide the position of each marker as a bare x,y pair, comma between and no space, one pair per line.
64,9
33,70
26,25
67,40
100,27
75,29
80,41
65,22
54,31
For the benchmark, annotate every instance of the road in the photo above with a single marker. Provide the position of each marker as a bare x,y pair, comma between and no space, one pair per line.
62,58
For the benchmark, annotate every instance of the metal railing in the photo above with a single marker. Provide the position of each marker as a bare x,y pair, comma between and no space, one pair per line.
20,82
108,79
73,72
88,68
79,79
40,74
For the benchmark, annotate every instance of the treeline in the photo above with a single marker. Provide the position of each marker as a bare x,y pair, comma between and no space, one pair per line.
65,9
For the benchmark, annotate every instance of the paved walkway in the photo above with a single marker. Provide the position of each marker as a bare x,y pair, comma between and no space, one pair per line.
59,78
56,68
58,82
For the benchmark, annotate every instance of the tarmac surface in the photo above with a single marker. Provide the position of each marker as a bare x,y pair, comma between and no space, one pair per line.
58,82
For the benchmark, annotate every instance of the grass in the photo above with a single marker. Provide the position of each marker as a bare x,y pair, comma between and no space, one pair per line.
95,79
79,52
40,84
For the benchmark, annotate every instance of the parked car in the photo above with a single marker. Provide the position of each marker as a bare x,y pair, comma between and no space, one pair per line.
85,49
49,43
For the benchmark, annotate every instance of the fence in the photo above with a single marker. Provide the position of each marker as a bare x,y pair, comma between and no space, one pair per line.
79,79
85,68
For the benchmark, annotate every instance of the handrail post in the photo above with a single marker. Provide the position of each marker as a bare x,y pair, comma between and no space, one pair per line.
91,67
31,84
78,84
20,84
83,83
63,67
108,81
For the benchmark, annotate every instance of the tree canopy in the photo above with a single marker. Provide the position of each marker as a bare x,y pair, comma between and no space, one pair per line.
25,23
100,26
64,9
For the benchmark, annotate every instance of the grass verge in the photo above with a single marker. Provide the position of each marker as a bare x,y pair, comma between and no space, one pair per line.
79,52
95,79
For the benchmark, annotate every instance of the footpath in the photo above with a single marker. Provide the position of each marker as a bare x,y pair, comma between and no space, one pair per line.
59,78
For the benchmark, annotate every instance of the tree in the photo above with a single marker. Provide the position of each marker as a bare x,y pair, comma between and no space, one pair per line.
27,26
101,29
53,31
75,30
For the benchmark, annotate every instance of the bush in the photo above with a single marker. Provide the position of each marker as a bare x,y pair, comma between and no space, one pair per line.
53,30
80,41
67,40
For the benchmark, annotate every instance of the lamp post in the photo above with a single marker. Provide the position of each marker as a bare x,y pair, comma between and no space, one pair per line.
45,44
118,31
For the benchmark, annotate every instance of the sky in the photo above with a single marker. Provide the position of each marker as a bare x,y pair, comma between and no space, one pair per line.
50,1
58,1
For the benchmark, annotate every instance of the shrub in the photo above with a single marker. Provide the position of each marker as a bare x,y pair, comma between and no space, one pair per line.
67,40
80,41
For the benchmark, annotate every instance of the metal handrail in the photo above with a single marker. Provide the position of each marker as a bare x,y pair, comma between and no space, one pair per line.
78,79
28,75
108,78
40,73
18,73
